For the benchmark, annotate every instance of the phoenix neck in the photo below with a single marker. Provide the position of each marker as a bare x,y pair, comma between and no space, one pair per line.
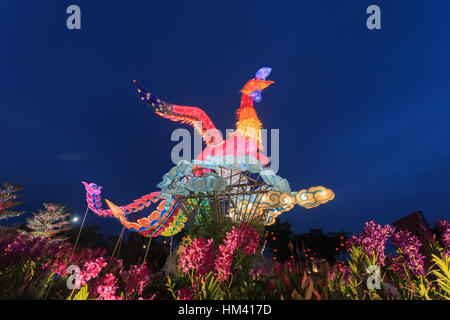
248,124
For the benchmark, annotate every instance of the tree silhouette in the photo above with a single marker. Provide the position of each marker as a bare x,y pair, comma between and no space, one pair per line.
285,245
279,237
90,237
315,244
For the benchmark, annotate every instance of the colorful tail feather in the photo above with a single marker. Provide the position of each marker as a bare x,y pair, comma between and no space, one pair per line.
159,221
94,201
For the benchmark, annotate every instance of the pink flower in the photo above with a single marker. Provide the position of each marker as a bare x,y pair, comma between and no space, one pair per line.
92,269
108,289
137,278
444,228
373,240
59,267
25,247
409,252
249,239
339,268
185,294
244,238
199,256
258,272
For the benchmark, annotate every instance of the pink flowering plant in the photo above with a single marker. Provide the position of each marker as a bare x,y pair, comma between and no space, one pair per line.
37,268
218,266
443,227
111,281
230,265
403,275
25,270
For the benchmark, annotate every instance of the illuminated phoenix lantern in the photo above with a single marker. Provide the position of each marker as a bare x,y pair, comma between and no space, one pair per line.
246,139
228,178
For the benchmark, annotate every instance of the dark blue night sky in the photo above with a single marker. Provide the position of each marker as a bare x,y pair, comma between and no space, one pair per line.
363,112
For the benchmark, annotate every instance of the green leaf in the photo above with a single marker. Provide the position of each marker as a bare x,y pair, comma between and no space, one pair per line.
295,295
442,275
82,294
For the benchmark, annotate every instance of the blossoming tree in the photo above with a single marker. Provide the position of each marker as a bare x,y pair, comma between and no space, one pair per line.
49,222
7,200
